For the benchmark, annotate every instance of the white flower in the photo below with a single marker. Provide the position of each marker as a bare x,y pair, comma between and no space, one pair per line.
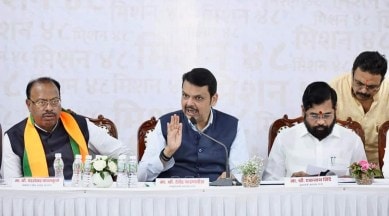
99,165
103,163
112,167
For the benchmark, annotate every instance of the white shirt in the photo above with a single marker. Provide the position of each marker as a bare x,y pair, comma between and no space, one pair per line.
100,142
295,148
151,165
385,167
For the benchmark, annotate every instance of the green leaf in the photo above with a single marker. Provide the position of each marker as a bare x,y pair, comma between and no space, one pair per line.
102,175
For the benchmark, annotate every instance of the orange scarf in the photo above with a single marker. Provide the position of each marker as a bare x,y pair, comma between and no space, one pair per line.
34,153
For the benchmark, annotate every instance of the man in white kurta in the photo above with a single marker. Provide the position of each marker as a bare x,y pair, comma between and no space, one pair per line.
295,148
318,141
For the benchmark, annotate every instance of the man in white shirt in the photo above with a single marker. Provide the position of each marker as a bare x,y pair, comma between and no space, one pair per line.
318,141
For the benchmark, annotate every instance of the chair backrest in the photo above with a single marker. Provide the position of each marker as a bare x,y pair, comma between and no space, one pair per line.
277,126
146,127
102,122
285,122
105,123
382,142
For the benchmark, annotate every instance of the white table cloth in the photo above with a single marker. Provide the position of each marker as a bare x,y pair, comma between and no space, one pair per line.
347,199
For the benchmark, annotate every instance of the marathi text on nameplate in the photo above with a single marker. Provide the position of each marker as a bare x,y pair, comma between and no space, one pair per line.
182,182
49,182
315,181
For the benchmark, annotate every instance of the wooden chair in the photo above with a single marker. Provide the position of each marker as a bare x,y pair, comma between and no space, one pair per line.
285,122
102,122
382,142
105,123
146,127
277,126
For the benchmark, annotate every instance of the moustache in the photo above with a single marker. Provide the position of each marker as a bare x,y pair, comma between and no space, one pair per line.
190,107
320,127
48,114
363,95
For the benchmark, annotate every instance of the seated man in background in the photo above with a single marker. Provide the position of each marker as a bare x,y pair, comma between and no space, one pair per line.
364,96
318,141
176,149
29,147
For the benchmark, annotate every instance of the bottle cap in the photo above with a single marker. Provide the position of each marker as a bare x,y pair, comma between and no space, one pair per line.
57,155
78,156
122,157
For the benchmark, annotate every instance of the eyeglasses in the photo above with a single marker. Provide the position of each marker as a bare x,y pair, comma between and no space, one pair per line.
41,103
358,84
316,117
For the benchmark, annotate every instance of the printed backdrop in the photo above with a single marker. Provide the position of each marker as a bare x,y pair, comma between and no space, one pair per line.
125,59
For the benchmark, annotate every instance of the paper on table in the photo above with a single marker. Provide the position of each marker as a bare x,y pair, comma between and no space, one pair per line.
314,170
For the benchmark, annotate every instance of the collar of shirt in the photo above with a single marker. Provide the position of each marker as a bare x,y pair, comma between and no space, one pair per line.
210,120
55,126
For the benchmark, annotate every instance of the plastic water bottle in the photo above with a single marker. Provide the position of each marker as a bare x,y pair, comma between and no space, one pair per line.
132,171
86,171
58,165
77,171
122,178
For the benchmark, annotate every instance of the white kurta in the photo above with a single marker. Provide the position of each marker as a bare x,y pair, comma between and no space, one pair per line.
295,148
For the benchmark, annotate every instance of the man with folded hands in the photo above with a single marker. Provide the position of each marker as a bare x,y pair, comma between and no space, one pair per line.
318,141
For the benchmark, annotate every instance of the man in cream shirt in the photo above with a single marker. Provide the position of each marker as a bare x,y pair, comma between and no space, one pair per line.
363,95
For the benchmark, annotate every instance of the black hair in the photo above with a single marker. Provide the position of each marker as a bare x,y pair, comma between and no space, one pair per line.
201,77
372,62
318,92
42,80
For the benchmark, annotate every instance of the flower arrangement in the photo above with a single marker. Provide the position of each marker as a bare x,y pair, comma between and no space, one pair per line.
252,167
364,168
103,164
251,171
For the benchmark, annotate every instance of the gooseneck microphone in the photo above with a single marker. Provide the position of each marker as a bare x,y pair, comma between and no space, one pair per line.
227,181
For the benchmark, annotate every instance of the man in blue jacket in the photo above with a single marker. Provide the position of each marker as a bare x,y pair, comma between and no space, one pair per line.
177,149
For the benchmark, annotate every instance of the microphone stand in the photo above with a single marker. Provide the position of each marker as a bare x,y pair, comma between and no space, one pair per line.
227,181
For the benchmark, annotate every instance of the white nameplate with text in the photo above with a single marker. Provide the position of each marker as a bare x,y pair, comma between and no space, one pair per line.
49,182
182,182
315,181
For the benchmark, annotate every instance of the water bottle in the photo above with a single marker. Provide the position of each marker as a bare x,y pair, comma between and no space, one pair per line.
132,171
58,165
86,171
122,178
77,169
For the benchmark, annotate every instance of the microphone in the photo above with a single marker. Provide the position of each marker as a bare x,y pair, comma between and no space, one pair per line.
227,181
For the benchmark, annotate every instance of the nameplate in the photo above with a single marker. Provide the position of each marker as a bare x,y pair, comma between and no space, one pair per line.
49,182
316,181
182,182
